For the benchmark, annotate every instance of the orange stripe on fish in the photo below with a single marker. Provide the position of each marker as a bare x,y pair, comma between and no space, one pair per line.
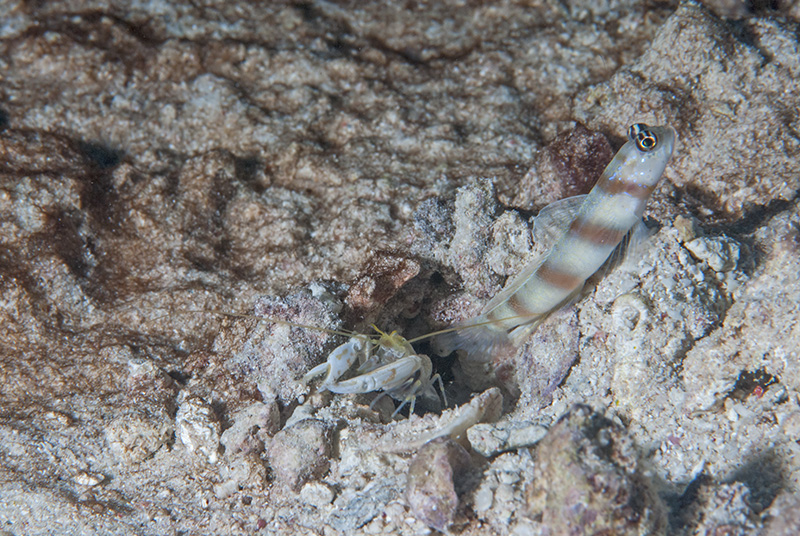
616,186
550,275
596,234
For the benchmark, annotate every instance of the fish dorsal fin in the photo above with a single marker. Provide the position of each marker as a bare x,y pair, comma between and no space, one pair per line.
553,221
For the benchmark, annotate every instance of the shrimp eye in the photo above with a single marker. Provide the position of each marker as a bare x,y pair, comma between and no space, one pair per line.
644,138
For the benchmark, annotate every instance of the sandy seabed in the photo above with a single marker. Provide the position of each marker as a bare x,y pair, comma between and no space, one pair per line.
348,163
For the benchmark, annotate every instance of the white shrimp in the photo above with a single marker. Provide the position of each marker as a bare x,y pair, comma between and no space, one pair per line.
339,361
389,364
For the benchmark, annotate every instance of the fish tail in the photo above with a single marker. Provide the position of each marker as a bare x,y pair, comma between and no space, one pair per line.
478,339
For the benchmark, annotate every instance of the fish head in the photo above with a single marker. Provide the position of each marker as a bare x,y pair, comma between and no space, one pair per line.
647,152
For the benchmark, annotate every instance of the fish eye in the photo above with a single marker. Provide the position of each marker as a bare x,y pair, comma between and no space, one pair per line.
644,138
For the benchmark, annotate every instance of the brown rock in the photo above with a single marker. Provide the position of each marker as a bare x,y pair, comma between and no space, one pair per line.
783,516
382,277
587,481
720,510
251,426
431,490
572,162
300,453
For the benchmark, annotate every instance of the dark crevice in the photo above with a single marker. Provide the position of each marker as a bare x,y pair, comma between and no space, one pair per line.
246,172
765,7
759,215
98,195
99,155
308,12
65,238
752,383
696,199
765,477
681,506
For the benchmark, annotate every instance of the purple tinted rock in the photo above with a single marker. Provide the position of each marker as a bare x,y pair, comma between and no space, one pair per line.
300,453
587,481
431,489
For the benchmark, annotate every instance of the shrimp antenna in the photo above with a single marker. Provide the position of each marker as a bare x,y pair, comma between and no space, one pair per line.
343,333
267,319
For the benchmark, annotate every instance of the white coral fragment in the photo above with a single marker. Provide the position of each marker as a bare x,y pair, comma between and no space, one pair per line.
721,253
198,427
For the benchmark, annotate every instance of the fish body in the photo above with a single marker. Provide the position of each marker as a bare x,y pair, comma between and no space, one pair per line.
606,215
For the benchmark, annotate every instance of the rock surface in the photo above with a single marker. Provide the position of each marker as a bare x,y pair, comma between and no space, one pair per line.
587,480
431,490
339,164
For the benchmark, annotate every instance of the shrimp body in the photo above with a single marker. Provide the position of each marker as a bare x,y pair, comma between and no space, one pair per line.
389,364
340,360
612,208
389,377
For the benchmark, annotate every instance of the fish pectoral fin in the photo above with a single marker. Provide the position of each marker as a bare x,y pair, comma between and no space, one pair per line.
635,243
628,252
519,334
